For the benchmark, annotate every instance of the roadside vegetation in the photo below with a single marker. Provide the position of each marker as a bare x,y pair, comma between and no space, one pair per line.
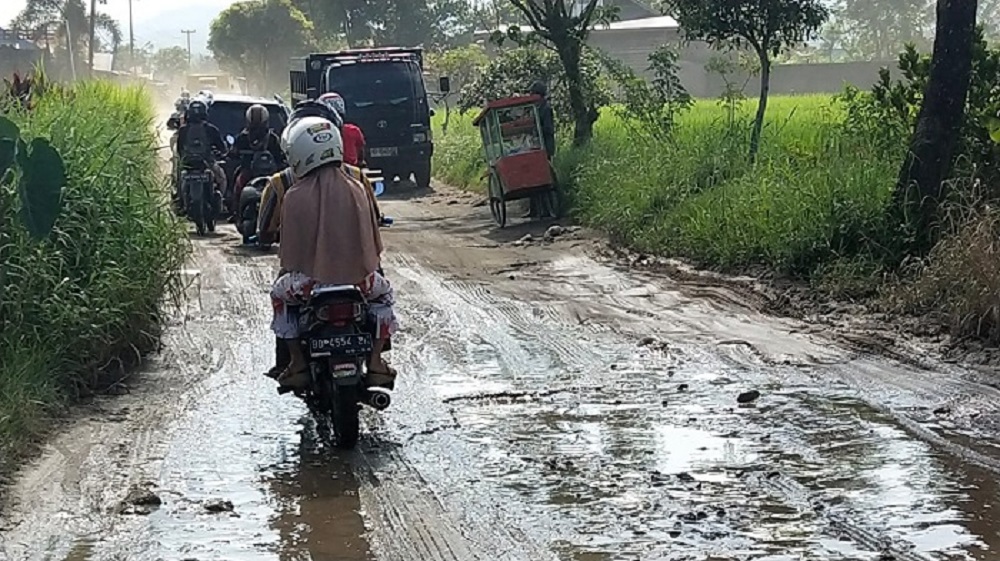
822,199
88,248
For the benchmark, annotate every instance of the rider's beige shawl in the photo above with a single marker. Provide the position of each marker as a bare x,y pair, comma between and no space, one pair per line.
329,230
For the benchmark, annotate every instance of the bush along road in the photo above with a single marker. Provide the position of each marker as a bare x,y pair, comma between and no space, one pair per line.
551,405
88,250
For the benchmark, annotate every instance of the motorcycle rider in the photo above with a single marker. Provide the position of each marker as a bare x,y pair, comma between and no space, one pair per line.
269,215
256,136
200,141
354,139
329,236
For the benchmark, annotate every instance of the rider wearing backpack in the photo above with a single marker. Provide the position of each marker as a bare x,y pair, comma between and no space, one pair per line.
254,141
199,142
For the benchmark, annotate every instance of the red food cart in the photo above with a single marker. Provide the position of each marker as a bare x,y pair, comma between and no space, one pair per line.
519,168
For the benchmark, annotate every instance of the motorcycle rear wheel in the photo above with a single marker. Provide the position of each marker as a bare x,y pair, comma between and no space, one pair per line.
345,416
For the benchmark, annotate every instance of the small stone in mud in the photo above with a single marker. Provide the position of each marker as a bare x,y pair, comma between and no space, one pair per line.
528,238
139,501
942,411
748,397
217,506
143,497
554,232
674,533
683,388
685,477
647,341
666,403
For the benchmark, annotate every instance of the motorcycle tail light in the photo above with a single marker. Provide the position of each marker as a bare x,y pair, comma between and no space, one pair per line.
339,312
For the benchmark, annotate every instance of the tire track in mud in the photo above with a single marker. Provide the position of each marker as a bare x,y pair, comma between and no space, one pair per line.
574,349
940,393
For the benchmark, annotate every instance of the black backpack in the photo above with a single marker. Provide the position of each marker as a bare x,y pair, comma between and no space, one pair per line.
262,161
197,147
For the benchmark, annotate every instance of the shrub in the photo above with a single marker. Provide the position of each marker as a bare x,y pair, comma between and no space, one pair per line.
89,295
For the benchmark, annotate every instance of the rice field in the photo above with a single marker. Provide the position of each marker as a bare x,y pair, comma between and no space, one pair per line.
815,193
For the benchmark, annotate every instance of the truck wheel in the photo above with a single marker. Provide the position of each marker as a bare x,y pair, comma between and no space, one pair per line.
422,175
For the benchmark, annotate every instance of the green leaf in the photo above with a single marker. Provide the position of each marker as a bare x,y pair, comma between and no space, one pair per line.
9,135
22,153
9,129
993,124
41,188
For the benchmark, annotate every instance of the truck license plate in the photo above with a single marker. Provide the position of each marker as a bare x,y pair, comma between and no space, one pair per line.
384,152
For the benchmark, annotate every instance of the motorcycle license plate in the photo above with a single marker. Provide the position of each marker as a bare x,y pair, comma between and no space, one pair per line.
341,345
384,152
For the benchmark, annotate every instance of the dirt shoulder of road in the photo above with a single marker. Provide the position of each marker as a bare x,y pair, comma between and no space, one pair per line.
857,325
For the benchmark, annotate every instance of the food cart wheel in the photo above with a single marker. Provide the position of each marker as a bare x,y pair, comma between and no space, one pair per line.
498,205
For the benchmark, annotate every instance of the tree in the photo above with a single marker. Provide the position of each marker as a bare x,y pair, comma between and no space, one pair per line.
767,27
921,184
565,28
878,29
490,15
461,64
170,62
257,37
44,18
434,24
989,17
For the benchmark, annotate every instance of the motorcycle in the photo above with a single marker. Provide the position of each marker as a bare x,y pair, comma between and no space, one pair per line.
201,199
248,206
249,209
337,342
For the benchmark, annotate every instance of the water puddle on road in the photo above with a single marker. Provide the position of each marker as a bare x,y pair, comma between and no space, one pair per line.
621,452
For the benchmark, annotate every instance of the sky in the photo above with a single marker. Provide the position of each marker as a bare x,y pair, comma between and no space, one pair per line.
154,19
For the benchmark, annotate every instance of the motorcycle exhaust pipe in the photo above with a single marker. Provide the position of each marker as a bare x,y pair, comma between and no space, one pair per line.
379,401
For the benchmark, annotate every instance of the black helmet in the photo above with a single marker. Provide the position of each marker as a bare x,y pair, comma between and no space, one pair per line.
197,111
313,108
257,116
539,88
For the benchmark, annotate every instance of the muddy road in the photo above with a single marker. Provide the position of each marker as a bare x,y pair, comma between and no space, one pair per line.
552,406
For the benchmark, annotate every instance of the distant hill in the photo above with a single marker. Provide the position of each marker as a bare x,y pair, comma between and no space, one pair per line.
164,30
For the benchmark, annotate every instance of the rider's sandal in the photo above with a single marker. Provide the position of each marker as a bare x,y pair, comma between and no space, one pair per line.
295,380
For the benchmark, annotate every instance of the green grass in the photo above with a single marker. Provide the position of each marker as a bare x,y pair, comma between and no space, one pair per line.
78,305
815,194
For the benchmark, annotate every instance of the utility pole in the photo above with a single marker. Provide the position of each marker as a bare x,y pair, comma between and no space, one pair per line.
93,30
188,32
131,38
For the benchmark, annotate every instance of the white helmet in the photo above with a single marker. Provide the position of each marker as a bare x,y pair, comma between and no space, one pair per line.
335,102
207,96
312,142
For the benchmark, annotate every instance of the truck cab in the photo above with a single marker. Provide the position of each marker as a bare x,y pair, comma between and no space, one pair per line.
385,96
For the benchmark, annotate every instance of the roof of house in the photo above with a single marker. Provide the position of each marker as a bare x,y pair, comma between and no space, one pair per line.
656,22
